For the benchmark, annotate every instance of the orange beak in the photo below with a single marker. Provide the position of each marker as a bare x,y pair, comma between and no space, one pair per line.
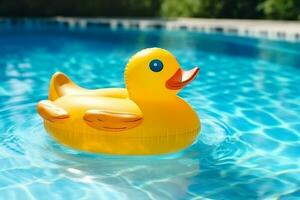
181,78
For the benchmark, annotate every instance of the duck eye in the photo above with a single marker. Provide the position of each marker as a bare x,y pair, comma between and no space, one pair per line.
156,65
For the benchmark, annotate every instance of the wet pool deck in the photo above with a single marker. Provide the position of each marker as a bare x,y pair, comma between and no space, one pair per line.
278,30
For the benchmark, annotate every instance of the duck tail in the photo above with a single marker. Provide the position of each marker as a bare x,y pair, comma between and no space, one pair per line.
61,85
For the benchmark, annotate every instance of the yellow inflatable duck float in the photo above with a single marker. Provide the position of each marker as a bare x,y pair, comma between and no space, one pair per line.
145,118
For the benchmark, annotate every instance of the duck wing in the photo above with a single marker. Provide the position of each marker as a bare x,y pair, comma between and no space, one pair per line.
61,85
112,121
51,112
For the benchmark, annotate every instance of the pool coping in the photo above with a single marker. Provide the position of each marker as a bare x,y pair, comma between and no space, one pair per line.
274,30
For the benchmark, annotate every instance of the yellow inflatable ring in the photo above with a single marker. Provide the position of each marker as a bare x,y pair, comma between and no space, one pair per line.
147,117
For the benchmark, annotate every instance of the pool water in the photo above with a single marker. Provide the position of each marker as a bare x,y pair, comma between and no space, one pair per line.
247,96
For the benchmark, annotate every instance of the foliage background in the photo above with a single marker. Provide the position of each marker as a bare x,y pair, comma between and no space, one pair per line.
242,9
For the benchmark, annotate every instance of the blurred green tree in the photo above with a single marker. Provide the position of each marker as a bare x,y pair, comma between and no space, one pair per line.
240,9
183,8
211,8
281,9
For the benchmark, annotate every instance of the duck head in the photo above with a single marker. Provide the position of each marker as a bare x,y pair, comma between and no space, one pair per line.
154,73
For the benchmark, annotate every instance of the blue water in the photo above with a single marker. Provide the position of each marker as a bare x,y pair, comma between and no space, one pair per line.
247,96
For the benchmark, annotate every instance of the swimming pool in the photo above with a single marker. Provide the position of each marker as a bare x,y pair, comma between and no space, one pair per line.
247,96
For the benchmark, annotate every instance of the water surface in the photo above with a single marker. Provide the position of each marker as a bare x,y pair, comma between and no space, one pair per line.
247,96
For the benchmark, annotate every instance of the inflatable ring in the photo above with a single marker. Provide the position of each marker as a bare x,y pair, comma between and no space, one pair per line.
147,117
